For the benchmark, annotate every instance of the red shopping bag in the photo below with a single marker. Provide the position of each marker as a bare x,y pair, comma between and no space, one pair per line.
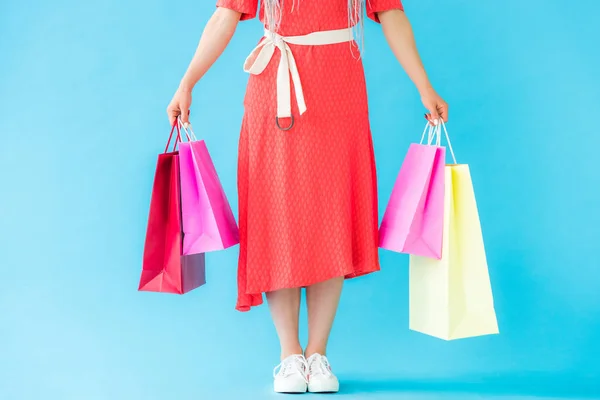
164,268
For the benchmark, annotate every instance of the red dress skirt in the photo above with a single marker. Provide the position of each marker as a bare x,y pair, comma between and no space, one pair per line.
307,196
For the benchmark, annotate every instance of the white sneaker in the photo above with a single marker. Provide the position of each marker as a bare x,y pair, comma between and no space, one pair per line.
320,377
290,375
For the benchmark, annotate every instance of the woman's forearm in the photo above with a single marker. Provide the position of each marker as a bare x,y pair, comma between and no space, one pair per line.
215,38
400,37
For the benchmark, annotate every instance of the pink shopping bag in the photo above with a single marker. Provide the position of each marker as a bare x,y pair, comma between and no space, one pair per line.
414,218
208,221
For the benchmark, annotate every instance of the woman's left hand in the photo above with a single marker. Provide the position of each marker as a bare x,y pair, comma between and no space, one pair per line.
437,107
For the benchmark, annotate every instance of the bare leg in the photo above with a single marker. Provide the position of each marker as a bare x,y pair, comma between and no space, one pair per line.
285,309
322,300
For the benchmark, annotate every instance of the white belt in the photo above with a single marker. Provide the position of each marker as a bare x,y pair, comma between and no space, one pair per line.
260,57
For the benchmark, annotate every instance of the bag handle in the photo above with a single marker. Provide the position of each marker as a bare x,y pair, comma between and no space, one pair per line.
177,138
177,125
439,138
430,131
189,132
435,132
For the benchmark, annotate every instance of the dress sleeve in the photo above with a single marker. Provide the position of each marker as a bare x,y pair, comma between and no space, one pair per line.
248,8
375,6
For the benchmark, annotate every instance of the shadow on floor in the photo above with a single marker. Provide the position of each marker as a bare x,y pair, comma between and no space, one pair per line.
534,385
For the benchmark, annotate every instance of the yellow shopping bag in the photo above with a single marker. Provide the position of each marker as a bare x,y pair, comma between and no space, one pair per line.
452,298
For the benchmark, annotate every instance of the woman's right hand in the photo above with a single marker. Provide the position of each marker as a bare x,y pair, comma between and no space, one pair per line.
180,106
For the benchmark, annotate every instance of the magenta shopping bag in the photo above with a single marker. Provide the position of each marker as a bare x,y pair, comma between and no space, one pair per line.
414,218
208,221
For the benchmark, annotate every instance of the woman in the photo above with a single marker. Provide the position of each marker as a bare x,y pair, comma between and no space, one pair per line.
306,172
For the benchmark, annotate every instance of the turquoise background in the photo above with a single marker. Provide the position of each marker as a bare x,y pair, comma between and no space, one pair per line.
83,89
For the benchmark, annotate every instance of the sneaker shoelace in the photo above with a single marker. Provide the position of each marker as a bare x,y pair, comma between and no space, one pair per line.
291,365
319,365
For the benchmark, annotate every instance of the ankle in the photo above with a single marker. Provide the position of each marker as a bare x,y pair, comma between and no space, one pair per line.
291,351
314,350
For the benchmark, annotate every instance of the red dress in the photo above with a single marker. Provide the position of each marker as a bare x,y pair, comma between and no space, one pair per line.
307,196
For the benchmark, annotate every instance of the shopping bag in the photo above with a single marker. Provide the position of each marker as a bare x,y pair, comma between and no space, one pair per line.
208,221
412,222
452,298
164,268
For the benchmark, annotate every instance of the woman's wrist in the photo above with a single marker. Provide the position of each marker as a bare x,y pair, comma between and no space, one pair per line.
186,86
425,88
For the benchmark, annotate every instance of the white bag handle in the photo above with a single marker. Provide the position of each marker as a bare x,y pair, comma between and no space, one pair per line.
439,135
189,131
435,132
430,130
